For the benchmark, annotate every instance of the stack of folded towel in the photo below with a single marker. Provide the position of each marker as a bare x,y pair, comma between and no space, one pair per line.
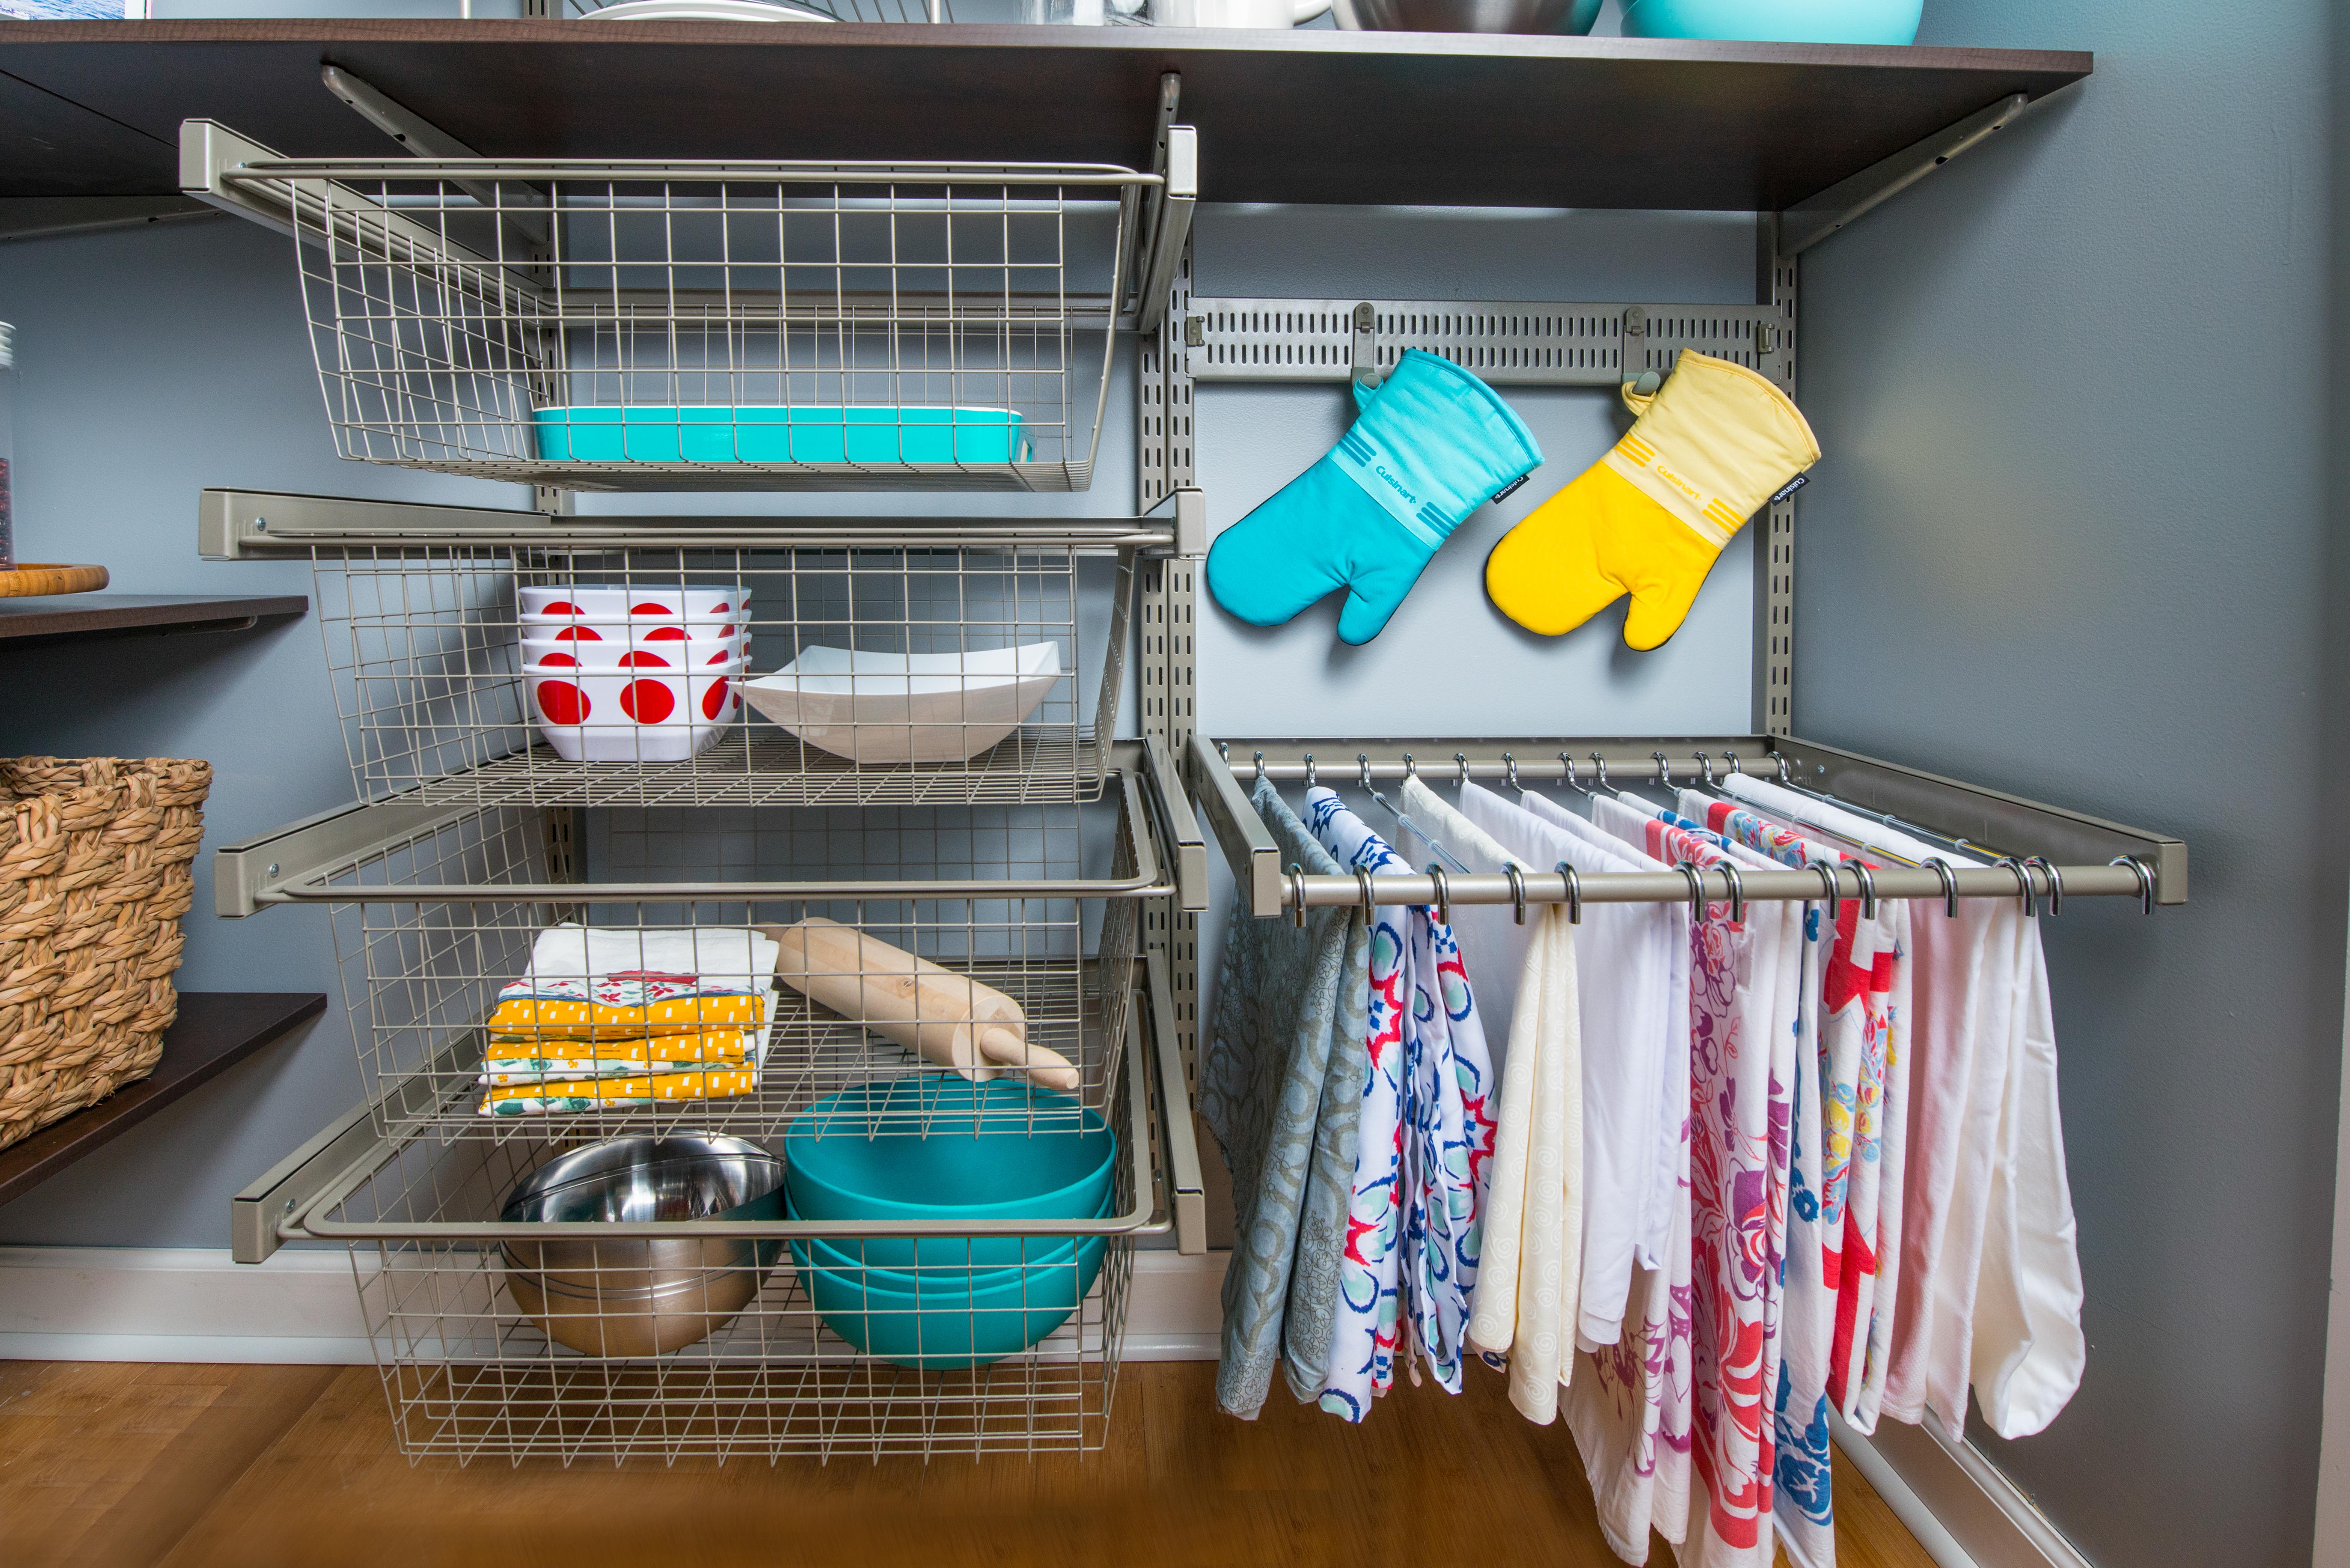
624,1016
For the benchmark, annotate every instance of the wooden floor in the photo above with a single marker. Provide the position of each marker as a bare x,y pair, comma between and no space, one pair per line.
122,1464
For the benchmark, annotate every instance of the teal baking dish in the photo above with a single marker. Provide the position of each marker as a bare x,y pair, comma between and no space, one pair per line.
879,436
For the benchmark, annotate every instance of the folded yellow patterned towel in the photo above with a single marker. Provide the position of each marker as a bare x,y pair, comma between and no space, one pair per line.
530,1020
542,1061
592,1094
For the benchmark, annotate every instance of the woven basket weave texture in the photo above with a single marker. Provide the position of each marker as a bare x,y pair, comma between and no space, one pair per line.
96,857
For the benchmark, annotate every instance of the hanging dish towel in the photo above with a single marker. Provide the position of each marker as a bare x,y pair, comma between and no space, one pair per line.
1261,1085
1624,962
1741,1098
1803,1491
1445,1134
1522,1313
1369,1308
2033,1334
1629,1402
1669,1092
1865,1069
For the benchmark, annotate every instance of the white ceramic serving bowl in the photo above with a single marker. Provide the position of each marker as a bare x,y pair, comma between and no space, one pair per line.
632,715
629,601
694,654
906,707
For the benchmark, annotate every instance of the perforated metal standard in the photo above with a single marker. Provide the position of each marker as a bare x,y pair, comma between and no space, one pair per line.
1508,342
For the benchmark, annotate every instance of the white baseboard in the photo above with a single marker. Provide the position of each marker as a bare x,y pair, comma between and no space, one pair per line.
1963,1509
174,1303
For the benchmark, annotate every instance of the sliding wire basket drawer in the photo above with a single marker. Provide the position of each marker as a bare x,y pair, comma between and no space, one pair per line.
873,668
479,1358
439,922
692,324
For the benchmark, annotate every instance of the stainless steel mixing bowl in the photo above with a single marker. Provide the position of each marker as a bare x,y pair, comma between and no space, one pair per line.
1458,16
636,1298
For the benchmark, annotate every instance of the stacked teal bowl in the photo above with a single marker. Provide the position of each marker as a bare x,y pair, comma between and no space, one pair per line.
940,1149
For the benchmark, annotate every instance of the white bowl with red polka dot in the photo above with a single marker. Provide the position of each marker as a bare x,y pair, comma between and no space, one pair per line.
647,653
568,629
633,715
628,602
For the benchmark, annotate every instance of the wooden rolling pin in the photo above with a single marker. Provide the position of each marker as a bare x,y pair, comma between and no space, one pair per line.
945,1017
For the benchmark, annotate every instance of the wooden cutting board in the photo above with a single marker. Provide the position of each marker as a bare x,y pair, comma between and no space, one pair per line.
37,577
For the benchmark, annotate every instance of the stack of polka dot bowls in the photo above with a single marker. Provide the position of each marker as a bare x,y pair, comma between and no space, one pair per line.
617,673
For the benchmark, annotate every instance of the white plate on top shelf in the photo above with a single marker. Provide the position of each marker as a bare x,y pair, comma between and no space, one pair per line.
702,11
886,708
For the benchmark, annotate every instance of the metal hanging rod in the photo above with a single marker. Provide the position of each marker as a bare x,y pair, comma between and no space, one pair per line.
2052,851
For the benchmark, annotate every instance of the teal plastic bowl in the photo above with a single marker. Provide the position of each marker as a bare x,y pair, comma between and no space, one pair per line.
1002,1312
883,436
1777,21
948,1262
948,1149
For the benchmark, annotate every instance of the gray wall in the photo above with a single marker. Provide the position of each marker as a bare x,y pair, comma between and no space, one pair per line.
2071,539
155,362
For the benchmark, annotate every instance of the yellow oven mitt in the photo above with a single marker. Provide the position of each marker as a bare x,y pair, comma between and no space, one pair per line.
1707,451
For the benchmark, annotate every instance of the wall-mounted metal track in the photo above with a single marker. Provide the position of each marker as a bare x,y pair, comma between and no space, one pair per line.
1509,342
1163,466
1774,529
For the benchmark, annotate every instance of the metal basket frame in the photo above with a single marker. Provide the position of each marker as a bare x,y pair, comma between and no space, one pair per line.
431,923
423,647
468,1373
450,299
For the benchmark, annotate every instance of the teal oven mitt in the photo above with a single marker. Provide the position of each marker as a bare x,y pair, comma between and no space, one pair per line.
1428,447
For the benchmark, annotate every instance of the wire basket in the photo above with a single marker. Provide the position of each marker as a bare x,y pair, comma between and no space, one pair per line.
479,1357
438,931
846,676
712,326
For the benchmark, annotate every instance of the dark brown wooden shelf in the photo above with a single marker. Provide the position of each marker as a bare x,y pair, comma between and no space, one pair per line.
215,1030
1451,119
63,616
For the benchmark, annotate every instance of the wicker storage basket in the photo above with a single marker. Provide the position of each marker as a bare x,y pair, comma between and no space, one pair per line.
95,856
